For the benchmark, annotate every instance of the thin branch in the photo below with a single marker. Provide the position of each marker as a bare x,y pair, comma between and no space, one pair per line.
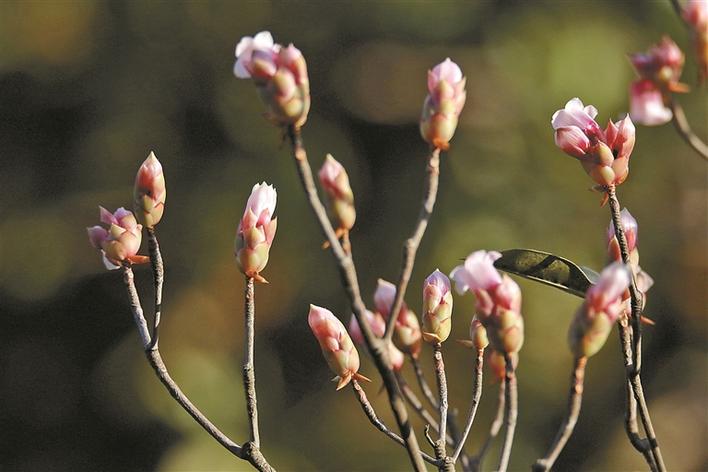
511,413
633,362
158,273
476,461
575,400
410,247
423,384
249,374
249,451
371,414
417,405
684,129
440,450
347,270
679,10
476,395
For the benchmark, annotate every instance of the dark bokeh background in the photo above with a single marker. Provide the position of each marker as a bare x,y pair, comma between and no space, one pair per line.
88,89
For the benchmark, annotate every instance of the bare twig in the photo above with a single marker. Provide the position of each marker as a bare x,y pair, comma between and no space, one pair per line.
476,395
249,451
684,129
423,384
410,247
249,374
158,273
440,450
371,414
377,347
511,413
476,461
575,400
633,360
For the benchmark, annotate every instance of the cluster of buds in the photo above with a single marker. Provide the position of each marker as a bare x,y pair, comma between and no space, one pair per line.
407,335
498,300
337,347
604,154
378,328
603,305
121,241
149,192
256,231
280,75
631,234
696,15
442,106
659,71
437,308
335,181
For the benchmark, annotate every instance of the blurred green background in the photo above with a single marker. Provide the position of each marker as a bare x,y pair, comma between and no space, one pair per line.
87,89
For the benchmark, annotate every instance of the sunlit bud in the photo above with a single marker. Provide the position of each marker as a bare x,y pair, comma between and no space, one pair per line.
335,181
375,321
120,240
337,347
256,231
442,106
407,335
497,363
662,64
437,308
477,272
696,14
602,307
149,192
280,74
478,334
646,104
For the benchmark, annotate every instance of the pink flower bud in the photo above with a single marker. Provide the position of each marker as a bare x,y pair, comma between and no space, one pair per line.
442,106
646,103
407,335
279,73
631,231
121,241
337,347
478,335
602,307
497,363
576,115
437,308
149,192
396,357
376,323
477,272
256,231
335,181
662,64
696,15
384,297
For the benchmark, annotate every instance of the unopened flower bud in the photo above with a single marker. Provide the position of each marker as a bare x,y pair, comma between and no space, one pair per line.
375,321
335,181
602,307
696,15
442,106
631,232
150,192
384,297
407,335
437,308
120,241
497,363
396,357
337,347
279,73
662,65
646,104
256,231
478,335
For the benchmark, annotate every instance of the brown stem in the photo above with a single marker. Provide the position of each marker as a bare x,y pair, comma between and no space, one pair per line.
476,395
440,451
575,400
684,129
679,10
158,273
410,247
371,414
633,360
249,451
423,384
347,270
249,374
476,461
511,413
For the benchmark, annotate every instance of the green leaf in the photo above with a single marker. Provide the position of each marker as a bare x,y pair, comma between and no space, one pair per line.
548,269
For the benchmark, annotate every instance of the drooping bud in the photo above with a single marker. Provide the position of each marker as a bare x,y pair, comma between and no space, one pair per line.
337,347
375,321
696,15
437,308
121,241
603,154
280,75
256,231
149,192
662,64
442,106
646,104
335,181
602,307
498,299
